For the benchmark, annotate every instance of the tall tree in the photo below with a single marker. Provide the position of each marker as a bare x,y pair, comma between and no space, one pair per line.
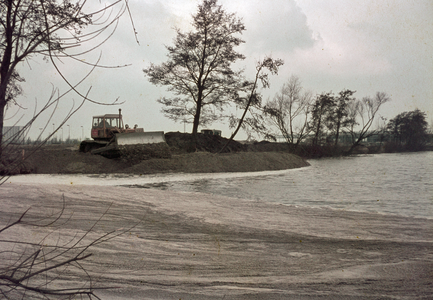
289,111
340,117
321,113
199,67
409,130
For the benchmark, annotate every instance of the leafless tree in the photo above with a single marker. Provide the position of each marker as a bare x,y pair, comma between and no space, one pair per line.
253,98
15,155
366,111
32,270
53,29
56,30
289,111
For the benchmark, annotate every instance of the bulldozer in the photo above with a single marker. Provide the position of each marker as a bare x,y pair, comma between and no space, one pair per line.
108,133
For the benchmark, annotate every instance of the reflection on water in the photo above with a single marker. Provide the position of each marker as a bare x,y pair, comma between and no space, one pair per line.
386,183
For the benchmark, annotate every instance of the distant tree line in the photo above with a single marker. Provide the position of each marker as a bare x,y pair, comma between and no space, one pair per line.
321,121
53,140
408,131
318,123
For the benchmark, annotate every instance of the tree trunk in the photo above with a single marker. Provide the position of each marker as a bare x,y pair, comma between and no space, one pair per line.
316,136
4,70
2,110
196,123
250,99
337,134
237,128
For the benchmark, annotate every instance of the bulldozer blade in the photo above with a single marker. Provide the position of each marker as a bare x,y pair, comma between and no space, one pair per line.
136,138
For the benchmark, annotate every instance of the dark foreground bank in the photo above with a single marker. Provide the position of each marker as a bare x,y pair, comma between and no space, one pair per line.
58,159
173,156
197,246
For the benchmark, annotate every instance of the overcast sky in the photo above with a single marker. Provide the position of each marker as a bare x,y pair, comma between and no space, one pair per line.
362,45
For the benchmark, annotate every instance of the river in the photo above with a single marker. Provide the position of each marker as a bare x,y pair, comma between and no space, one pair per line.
399,184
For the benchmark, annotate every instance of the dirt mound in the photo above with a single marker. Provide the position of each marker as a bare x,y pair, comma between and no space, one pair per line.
47,160
265,146
205,162
12,163
175,156
54,159
181,143
137,153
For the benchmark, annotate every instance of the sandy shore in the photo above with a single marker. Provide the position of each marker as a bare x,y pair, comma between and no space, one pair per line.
197,246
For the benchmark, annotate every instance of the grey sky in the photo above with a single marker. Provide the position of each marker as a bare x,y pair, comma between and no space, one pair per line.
367,46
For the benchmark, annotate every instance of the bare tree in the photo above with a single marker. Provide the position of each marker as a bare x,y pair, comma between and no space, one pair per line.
366,111
14,155
289,111
55,31
254,98
52,29
49,28
32,269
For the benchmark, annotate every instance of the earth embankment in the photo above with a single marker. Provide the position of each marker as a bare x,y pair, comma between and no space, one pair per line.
171,158
69,161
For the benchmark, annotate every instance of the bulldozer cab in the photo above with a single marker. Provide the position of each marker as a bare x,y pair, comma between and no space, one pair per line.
106,122
104,127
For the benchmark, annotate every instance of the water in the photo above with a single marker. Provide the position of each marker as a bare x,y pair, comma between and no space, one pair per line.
388,183
399,184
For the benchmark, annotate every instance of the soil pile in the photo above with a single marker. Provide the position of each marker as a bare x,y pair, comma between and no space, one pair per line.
181,143
156,158
205,162
137,153
55,160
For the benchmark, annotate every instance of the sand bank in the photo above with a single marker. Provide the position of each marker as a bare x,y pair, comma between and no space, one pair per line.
197,246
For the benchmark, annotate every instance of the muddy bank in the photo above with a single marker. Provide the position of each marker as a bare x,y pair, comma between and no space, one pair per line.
197,246
55,159
173,156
